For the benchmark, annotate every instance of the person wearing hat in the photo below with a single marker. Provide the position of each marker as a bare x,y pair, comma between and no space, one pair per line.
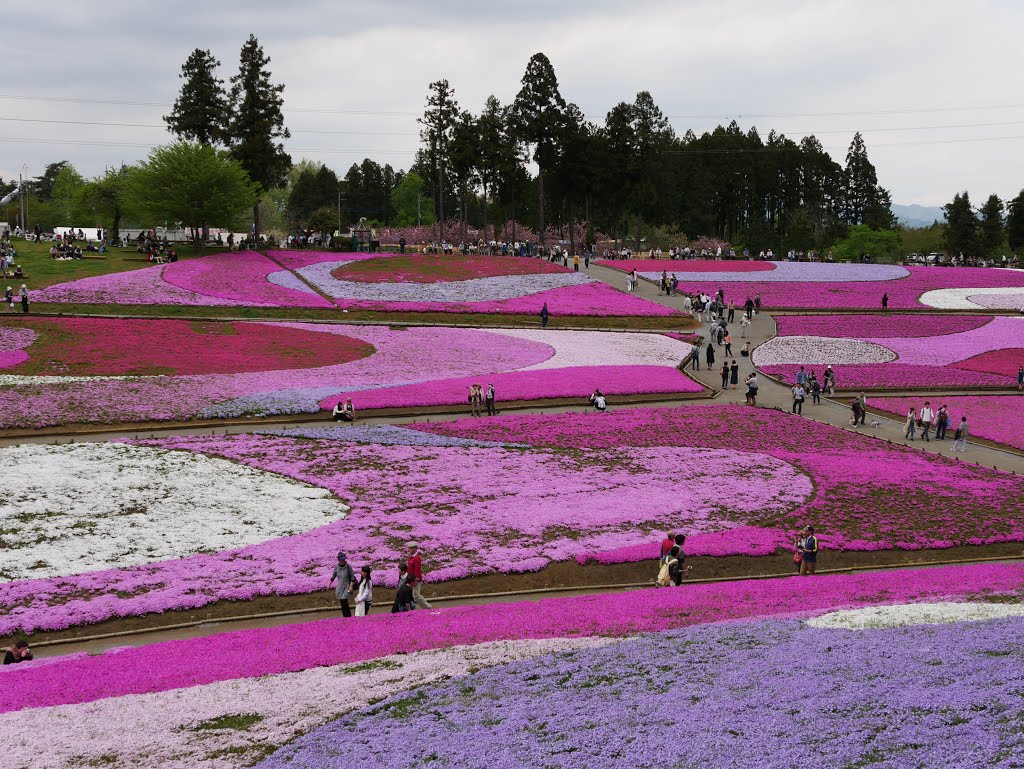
24,297
346,583
808,548
415,566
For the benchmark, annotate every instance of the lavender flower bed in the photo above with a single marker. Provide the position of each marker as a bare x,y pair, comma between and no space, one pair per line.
767,694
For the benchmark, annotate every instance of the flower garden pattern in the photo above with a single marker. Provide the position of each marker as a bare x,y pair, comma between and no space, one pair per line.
927,352
378,282
223,699
801,285
86,370
512,494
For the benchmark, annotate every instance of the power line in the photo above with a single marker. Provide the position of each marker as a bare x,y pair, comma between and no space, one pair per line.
164,127
393,113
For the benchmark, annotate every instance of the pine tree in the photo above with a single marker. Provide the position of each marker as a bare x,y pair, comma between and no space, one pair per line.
539,115
438,123
256,124
961,226
990,229
200,111
1015,222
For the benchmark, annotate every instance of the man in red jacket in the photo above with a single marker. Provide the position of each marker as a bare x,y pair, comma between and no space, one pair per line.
415,566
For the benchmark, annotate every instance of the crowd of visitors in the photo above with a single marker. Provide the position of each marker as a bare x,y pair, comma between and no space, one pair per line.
408,591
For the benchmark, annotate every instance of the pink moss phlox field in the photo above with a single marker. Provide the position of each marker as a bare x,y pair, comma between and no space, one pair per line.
229,279
576,382
861,484
686,265
591,299
475,510
931,351
890,376
904,293
296,260
252,653
877,326
998,418
241,277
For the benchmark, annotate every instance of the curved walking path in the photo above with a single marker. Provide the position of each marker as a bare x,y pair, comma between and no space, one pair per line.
771,394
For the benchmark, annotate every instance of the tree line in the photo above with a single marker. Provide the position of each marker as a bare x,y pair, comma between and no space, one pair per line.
538,160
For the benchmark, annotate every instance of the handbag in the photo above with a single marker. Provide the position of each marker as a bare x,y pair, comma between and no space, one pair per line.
798,557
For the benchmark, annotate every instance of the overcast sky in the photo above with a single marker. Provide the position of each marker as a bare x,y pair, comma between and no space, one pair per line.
934,85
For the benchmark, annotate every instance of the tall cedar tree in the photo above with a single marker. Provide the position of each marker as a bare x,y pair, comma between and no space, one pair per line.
990,229
256,124
438,123
1015,223
539,114
200,111
961,226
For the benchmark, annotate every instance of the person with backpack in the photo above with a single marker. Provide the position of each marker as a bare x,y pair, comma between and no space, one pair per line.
403,593
808,549
346,583
666,545
670,572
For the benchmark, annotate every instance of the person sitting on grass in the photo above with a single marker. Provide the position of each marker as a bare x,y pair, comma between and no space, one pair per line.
19,652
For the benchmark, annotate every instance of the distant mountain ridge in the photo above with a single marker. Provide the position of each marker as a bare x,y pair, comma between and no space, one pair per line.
918,216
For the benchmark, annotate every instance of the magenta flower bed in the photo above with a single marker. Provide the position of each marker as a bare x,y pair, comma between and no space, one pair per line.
241,277
575,382
877,326
686,265
745,540
592,299
250,653
998,418
889,376
296,260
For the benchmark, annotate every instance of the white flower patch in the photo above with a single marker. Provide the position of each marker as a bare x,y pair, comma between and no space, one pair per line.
78,508
492,289
288,279
13,380
902,615
791,272
1006,298
820,350
602,348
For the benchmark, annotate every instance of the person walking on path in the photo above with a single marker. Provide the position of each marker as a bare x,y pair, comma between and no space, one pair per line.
798,399
815,391
744,323
732,311
575,262
724,372
809,550
489,400
830,381
941,423
544,315
23,293
749,307
415,566
728,344
667,544
960,436
757,304
475,399
801,377
346,583
734,374
751,383
885,301
710,355
403,593
908,426
863,407
364,596
1020,378
586,260
855,409
927,415
694,359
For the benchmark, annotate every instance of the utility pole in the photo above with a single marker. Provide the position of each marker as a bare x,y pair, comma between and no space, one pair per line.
419,218
21,194
339,211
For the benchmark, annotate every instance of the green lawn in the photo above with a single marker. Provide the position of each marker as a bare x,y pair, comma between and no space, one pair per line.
42,271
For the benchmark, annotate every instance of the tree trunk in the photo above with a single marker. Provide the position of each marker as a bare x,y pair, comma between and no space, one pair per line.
485,213
256,223
440,199
540,204
572,228
639,224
